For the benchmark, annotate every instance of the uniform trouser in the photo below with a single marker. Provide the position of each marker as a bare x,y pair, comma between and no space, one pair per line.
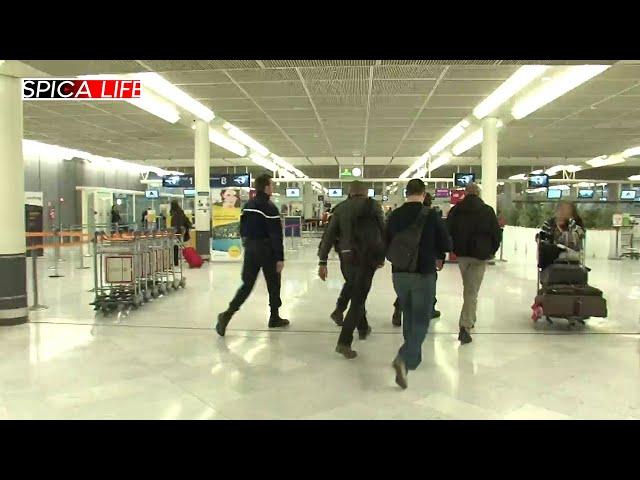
258,255
415,292
358,281
472,271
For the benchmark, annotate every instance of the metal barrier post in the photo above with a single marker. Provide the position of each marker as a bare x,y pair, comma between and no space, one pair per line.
94,241
82,266
34,276
56,273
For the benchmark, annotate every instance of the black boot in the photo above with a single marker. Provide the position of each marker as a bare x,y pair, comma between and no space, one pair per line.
223,320
396,319
464,336
338,317
276,322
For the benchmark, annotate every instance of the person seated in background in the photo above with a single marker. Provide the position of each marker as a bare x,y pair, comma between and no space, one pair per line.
561,236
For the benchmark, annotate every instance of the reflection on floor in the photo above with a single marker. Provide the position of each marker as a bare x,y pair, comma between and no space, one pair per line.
165,361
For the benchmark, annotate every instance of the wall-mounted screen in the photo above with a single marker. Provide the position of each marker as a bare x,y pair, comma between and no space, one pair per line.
539,181
152,194
586,193
442,193
554,193
189,192
371,192
335,192
385,198
293,192
177,181
464,179
227,180
627,195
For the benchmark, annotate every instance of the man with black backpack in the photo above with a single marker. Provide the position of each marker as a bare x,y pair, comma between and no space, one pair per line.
417,242
357,231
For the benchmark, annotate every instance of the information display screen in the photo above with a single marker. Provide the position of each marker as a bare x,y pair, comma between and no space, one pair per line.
230,180
539,181
293,192
152,194
371,192
177,181
554,193
464,179
335,192
627,195
586,193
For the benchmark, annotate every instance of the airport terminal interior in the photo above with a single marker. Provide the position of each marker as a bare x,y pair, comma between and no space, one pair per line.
99,321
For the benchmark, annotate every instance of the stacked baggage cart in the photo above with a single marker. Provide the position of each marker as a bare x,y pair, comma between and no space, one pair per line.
130,270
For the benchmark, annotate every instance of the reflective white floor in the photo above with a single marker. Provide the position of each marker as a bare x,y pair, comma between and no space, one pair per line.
164,361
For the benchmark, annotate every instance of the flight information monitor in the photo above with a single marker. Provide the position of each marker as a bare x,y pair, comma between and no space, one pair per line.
464,179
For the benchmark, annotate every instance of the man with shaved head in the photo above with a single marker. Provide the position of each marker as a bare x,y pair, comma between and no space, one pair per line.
475,232
356,231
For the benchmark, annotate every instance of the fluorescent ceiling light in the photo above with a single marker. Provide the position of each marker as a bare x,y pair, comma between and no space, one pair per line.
634,178
631,152
536,190
560,84
223,141
605,160
283,164
560,187
519,176
439,162
467,143
155,105
516,82
537,172
247,140
169,91
263,162
449,137
585,185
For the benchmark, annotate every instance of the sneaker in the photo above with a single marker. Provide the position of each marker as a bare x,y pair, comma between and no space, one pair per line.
346,351
338,317
464,336
223,320
365,334
277,322
435,314
401,372
396,319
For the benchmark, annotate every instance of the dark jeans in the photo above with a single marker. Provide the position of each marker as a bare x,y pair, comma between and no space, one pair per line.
345,294
358,280
415,292
258,255
396,304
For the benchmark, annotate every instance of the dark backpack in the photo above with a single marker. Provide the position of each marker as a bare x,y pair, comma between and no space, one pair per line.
404,246
368,238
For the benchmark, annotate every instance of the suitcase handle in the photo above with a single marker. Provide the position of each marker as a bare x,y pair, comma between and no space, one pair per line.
577,306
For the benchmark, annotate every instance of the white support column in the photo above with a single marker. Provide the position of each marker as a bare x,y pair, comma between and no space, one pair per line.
202,161
490,161
13,271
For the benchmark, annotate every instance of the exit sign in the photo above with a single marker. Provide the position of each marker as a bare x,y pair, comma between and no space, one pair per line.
350,172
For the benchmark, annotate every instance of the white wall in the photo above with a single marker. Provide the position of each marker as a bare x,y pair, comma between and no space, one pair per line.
519,244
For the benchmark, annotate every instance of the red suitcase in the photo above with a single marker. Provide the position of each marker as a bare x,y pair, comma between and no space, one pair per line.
191,256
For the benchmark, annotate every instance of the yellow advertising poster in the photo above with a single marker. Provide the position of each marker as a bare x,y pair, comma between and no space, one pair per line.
225,222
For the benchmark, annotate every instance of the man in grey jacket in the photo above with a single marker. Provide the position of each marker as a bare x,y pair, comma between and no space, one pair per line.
357,271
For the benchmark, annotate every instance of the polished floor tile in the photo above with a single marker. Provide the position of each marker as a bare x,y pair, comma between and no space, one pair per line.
165,361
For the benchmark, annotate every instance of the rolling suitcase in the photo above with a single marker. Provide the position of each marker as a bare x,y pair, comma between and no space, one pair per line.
564,274
572,301
191,256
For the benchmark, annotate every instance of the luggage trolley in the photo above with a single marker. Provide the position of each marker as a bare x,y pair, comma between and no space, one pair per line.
118,262
570,297
177,275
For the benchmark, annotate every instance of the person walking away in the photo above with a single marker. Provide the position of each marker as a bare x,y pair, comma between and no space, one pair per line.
396,318
417,240
181,225
115,219
357,226
475,232
261,232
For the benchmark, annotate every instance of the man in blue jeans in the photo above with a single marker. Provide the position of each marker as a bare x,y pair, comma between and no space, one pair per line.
416,287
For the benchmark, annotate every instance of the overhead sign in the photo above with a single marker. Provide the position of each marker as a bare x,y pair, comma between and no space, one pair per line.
350,172
177,181
230,180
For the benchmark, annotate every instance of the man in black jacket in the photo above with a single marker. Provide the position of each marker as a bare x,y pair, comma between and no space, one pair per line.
474,228
416,287
357,271
261,232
